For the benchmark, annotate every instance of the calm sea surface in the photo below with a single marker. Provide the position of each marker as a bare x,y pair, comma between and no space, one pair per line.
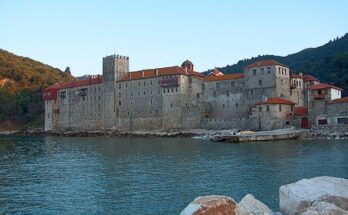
61,175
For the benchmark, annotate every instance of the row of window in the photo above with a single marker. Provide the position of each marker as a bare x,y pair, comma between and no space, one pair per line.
262,71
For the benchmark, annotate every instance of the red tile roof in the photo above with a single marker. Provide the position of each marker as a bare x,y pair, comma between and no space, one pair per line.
293,75
276,100
322,86
151,73
264,63
342,100
308,78
215,72
223,77
300,111
77,83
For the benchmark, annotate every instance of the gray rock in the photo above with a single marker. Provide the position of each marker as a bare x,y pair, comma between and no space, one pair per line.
324,208
250,204
296,197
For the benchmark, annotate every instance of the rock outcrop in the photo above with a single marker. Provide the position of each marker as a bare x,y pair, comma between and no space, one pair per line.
253,206
320,195
224,205
211,205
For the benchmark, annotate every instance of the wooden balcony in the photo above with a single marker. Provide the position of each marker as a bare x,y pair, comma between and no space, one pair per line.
318,97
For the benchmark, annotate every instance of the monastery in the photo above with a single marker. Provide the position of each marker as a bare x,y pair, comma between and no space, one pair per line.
265,96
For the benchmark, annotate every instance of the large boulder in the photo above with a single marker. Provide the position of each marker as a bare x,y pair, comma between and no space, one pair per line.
253,206
224,205
211,205
324,208
295,198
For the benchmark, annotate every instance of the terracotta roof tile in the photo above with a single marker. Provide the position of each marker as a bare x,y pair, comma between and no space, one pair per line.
322,86
342,100
308,78
223,77
276,100
264,63
78,83
151,73
293,75
300,111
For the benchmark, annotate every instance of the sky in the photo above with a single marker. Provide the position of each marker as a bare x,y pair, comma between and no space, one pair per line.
160,33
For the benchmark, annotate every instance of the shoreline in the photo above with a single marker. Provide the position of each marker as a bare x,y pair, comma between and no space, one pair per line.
314,133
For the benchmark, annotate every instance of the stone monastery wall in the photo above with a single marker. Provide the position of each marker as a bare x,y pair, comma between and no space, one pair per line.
263,97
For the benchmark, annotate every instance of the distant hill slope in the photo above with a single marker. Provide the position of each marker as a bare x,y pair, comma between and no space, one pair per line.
21,82
329,62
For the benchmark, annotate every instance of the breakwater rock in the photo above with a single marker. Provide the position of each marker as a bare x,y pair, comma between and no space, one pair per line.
110,133
317,196
328,132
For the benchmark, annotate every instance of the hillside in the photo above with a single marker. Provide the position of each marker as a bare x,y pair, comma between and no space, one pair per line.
329,62
21,82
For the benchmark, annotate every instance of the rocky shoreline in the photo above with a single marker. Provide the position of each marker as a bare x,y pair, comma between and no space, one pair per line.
317,133
317,196
327,133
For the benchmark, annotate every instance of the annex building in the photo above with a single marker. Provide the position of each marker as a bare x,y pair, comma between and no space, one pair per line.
265,96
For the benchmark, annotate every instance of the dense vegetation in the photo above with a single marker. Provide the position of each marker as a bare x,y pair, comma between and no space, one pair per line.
21,82
329,63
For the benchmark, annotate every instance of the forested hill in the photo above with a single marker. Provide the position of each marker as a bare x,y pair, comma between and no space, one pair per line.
21,82
329,62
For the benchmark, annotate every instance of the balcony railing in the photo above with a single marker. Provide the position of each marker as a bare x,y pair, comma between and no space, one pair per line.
322,96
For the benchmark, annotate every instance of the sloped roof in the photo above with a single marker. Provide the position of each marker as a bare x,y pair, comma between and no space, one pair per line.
77,83
342,100
276,100
300,111
308,78
293,75
322,86
260,63
151,73
215,72
223,77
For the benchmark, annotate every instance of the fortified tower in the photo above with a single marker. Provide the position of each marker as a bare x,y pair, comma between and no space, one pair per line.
267,78
114,68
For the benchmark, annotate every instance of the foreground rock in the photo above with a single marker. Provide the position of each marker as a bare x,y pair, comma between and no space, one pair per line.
211,205
224,205
320,195
250,205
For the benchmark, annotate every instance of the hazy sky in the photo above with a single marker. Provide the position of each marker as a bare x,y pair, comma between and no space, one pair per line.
159,33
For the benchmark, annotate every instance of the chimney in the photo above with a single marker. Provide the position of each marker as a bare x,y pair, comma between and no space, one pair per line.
142,74
130,76
186,70
156,72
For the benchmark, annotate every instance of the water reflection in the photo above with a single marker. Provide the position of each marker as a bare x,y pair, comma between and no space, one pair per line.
55,175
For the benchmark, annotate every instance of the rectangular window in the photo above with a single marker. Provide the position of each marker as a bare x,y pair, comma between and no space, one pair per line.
267,107
254,72
217,85
260,82
262,71
203,86
269,71
322,121
214,94
233,84
280,107
197,95
237,105
342,121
